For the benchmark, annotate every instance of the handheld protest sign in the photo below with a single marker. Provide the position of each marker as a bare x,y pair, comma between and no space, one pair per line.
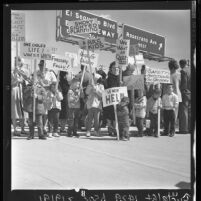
112,96
89,61
34,87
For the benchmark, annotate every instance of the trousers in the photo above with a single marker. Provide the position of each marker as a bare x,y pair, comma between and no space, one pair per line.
39,123
93,114
73,118
169,121
53,118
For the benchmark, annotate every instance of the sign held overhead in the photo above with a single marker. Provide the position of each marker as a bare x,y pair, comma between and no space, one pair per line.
93,44
17,26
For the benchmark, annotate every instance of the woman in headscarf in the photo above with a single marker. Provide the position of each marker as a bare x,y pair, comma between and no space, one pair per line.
17,96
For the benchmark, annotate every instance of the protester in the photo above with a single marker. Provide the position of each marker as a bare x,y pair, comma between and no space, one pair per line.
153,104
123,119
64,85
17,97
54,97
102,80
175,79
94,104
45,78
184,115
147,93
74,95
83,110
169,104
140,111
113,80
39,109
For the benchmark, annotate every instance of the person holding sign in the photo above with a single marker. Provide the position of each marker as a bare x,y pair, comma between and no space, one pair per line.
74,95
140,111
17,96
113,80
54,97
94,104
39,109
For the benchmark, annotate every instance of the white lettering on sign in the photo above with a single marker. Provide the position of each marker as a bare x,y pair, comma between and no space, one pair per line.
36,50
157,75
122,52
17,27
134,81
113,96
59,63
84,59
97,43
81,26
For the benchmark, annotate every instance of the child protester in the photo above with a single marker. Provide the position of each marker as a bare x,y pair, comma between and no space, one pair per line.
153,104
169,104
123,119
39,109
94,104
74,95
54,97
140,111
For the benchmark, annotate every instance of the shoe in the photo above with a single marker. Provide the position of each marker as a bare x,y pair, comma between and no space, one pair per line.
156,135
56,135
76,135
88,134
182,132
96,133
15,133
42,137
62,131
24,132
49,135
30,137
171,134
164,134
124,139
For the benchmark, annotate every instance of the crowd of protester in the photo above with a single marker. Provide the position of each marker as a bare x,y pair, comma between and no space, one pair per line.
64,105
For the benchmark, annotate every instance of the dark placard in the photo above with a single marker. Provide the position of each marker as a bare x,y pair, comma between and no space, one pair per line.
107,28
147,42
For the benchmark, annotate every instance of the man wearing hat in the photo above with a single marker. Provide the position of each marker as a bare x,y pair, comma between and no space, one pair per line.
184,115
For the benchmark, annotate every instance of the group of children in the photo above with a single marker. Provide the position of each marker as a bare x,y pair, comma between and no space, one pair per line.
49,101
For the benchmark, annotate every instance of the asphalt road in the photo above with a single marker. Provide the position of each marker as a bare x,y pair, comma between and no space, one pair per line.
101,163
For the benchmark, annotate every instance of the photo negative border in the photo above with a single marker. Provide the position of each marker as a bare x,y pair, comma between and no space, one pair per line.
84,194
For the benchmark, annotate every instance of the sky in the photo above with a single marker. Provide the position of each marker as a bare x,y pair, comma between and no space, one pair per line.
40,26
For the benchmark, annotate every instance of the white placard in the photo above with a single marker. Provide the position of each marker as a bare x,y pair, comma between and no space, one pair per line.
157,75
36,50
93,44
59,63
112,96
17,27
122,52
83,58
139,59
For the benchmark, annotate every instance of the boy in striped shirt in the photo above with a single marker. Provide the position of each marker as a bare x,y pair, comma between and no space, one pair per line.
169,103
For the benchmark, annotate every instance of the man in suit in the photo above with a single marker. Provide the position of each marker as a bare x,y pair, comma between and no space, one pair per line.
184,116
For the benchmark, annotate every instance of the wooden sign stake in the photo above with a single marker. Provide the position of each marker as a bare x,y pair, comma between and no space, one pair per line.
116,119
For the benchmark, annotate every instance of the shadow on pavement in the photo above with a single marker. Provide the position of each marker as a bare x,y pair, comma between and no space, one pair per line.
183,185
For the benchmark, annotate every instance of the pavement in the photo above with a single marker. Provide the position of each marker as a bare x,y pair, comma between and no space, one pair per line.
101,162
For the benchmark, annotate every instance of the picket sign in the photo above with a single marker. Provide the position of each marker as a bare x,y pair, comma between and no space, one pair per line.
17,26
112,96
159,120
36,50
93,43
